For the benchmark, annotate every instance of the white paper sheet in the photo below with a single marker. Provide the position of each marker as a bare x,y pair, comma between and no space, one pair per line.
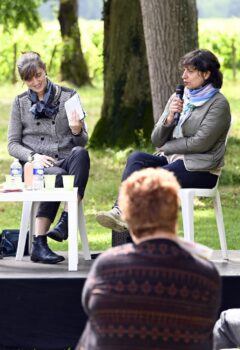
74,104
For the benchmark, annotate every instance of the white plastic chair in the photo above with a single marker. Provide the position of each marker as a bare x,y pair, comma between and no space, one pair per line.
187,202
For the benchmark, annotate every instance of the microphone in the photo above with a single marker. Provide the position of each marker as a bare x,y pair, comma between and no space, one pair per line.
179,94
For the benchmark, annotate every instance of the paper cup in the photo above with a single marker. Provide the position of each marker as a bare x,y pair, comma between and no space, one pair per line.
13,183
49,181
8,181
68,182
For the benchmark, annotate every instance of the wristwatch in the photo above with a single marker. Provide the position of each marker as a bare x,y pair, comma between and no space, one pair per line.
31,156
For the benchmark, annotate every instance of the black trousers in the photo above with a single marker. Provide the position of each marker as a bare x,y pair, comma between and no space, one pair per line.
187,179
78,164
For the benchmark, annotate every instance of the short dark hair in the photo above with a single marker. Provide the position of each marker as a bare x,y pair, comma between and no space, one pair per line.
204,60
28,64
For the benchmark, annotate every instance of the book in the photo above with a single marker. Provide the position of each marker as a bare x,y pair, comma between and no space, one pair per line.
74,104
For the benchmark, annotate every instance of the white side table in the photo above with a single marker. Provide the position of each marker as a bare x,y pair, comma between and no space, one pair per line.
76,219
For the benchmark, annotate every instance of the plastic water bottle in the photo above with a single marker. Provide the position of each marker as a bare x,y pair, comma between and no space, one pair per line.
38,171
16,174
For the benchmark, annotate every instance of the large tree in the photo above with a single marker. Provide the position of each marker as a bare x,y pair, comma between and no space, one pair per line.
127,107
170,28
73,65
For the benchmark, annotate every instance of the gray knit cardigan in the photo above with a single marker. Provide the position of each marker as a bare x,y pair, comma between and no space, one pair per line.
48,136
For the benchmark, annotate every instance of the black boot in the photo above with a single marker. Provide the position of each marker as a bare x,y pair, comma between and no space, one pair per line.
42,253
1,252
60,231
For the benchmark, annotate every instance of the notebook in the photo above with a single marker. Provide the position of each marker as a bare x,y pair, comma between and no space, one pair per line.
74,104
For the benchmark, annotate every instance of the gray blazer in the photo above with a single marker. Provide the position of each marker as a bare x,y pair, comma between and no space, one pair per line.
204,135
49,136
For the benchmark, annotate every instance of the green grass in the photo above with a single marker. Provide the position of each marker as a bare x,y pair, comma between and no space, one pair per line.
106,169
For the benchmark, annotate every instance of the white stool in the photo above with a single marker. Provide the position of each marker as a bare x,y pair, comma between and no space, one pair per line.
187,202
76,220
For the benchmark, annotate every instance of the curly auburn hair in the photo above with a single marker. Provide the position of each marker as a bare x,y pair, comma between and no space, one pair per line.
149,201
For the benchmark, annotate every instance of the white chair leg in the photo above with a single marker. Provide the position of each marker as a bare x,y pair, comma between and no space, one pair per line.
34,210
26,213
83,232
72,236
220,225
187,203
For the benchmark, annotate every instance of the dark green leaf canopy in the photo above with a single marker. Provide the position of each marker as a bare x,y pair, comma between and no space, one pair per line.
13,13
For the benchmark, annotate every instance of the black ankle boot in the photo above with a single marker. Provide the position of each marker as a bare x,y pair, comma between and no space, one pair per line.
1,252
60,231
42,253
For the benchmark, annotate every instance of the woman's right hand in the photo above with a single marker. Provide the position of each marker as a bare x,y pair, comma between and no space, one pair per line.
45,160
175,106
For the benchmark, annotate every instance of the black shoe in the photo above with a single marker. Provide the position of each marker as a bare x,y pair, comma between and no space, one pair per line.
60,231
42,253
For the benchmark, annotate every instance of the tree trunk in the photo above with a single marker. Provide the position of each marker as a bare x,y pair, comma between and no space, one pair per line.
126,116
14,76
73,66
170,29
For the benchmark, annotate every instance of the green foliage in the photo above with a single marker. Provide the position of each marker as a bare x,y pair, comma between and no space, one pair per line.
92,46
224,39
47,41
13,13
141,140
39,41
119,156
231,173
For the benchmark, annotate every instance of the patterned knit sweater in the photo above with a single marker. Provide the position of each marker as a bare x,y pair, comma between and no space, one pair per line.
150,296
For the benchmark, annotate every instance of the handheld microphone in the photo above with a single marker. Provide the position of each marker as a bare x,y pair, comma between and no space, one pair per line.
179,94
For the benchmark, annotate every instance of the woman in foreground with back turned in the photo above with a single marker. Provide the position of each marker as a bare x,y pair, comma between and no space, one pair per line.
157,293
192,147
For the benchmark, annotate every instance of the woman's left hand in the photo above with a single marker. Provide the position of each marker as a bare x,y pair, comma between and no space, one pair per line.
75,123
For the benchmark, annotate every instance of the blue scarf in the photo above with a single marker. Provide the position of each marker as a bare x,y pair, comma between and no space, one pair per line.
192,99
45,108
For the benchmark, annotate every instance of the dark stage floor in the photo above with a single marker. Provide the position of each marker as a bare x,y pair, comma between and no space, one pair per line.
10,268
41,304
